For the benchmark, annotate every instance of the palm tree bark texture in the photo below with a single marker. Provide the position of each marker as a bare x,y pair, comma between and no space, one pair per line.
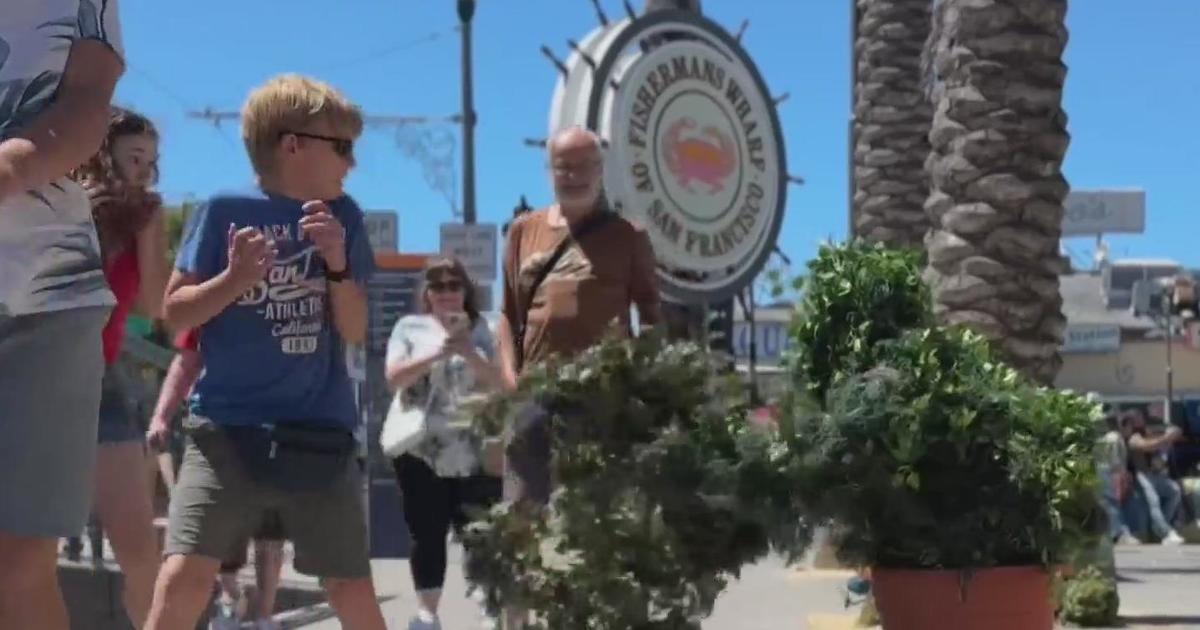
996,202
891,122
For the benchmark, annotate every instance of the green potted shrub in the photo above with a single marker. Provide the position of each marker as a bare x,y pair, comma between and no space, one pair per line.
664,490
959,483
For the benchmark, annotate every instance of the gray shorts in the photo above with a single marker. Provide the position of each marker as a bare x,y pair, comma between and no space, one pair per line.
118,417
216,506
527,467
51,365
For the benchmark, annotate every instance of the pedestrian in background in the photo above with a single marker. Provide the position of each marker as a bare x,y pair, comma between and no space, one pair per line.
571,271
436,362
133,246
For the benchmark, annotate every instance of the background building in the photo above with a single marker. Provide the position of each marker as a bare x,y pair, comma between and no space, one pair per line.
1115,350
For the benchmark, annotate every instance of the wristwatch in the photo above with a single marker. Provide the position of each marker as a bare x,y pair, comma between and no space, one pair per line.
337,276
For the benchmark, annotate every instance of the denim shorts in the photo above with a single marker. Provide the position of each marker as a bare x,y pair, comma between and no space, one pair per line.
118,418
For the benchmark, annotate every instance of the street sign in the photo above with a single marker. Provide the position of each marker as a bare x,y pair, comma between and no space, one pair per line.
1085,338
771,341
391,295
381,230
475,246
1092,212
695,146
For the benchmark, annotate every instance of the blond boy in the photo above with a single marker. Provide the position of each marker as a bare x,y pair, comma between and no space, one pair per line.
274,281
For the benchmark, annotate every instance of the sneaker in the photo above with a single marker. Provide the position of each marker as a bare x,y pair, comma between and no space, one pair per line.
226,618
1128,539
1173,539
488,621
424,621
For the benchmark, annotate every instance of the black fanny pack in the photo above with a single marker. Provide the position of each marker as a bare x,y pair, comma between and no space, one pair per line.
293,457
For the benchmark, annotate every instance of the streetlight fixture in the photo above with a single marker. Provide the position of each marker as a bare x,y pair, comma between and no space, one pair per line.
1177,301
466,11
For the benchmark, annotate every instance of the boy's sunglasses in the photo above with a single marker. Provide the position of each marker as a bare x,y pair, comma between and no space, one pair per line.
341,146
445,286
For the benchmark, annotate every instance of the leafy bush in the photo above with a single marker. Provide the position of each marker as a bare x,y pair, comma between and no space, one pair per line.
854,296
1090,599
664,491
925,449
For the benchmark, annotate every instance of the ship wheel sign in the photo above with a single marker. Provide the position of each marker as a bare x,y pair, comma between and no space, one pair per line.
694,147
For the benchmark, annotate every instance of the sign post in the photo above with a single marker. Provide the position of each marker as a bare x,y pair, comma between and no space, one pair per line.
474,245
1093,212
1091,338
381,229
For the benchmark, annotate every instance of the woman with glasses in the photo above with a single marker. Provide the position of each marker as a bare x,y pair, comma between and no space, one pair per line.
436,361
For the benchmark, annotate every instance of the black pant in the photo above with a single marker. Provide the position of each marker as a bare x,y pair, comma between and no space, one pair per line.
433,504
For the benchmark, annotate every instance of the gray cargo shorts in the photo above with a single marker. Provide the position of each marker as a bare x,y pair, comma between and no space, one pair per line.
51,365
217,506
528,477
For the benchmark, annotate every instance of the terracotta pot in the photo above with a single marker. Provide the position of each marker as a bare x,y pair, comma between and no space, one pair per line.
1006,598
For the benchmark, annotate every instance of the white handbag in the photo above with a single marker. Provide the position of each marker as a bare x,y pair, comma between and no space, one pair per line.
404,429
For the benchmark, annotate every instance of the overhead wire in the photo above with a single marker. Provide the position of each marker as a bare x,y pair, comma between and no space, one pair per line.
389,50
173,95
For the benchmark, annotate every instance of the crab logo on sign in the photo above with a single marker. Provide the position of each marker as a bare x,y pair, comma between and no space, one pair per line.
708,157
695,150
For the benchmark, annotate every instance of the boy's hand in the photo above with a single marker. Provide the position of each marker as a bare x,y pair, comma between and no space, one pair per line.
326,233
250,256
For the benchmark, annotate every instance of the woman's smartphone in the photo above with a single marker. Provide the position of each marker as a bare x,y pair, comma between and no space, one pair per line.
456,322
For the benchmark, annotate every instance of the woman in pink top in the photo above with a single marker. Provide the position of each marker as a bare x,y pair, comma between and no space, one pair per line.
133,246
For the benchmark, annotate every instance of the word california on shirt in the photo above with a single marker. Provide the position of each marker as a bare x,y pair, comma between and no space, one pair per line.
273,356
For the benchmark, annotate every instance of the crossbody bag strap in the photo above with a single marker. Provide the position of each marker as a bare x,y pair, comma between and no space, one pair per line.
594,222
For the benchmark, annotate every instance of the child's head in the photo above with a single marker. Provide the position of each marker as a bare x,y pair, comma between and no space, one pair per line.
128,157
301,131
120,175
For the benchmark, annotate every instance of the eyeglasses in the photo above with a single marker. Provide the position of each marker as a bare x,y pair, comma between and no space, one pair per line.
574,170
341,146
445,286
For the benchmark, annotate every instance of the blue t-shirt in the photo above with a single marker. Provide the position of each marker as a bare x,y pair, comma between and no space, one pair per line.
273,356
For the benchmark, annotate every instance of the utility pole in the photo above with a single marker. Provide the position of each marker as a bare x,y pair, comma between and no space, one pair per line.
466,11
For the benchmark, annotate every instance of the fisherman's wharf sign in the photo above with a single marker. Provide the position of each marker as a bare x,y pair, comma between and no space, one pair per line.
694,146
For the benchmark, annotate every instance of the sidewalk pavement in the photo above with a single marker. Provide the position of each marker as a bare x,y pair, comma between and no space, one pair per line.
1160,589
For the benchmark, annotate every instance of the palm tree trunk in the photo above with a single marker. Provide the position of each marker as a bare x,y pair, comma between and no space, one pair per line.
997,190
891,122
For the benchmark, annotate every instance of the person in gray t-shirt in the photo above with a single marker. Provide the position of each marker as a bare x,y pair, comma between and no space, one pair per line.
59,63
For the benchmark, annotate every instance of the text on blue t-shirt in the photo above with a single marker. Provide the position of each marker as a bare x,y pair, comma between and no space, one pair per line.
273,356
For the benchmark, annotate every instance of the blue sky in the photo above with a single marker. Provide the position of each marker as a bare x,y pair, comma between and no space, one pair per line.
1130,91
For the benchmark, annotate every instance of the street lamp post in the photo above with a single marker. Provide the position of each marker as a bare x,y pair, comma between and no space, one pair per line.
466,11
1167,316
1178,300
